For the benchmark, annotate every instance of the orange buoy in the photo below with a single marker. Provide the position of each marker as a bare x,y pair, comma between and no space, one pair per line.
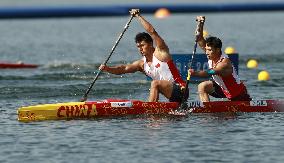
162,13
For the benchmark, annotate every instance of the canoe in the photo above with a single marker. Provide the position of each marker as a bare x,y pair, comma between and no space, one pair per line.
120,107
16,65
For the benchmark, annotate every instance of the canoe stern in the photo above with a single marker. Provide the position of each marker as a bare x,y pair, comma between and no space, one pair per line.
71,110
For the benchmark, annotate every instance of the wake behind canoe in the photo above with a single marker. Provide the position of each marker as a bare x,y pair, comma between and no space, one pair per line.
118,107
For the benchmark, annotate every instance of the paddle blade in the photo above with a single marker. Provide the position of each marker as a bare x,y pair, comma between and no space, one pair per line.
182,110
183,106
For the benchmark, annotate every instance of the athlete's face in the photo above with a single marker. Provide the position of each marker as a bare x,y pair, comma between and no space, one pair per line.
212,53
144,47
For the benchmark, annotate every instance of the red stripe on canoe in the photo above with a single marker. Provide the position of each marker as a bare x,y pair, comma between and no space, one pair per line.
116,107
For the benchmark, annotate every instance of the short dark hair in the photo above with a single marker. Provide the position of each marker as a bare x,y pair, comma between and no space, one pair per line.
213,42
143,36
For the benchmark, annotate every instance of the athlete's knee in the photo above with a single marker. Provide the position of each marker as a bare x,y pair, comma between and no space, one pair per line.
204,87
155,84
201,87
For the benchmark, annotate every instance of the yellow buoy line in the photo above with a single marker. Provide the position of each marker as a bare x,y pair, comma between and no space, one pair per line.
252,63
263,75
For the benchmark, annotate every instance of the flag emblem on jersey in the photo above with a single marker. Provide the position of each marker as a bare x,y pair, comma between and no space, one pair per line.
158,65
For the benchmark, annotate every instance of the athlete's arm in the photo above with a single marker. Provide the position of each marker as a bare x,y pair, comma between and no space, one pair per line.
224,68
158,40
123,69
199,32
202,73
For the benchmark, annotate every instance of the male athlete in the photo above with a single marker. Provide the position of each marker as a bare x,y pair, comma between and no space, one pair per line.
156,62
226,82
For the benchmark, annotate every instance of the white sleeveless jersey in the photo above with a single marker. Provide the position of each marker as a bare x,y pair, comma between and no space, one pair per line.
231,85
159,70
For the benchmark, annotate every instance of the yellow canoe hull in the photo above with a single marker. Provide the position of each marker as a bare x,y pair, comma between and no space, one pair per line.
92,109
57,111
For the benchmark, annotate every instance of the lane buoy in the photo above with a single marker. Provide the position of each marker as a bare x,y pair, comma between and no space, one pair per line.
263,75
230,50
252,63
162,13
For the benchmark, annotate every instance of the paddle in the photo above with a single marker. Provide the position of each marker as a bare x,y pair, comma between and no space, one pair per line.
84,98
183,104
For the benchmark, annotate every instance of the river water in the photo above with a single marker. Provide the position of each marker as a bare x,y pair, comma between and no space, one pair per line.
69,52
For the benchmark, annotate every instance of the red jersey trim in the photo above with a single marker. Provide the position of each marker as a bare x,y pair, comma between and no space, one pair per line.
175,73
234,88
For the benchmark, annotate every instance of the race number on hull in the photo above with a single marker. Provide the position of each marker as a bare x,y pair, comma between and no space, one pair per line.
121,104
258,103
195,104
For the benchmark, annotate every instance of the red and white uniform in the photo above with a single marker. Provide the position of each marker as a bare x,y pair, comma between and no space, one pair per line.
231,85
159,70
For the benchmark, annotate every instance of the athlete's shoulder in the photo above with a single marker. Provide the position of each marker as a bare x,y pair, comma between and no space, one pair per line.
138,63
162,54
226,60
